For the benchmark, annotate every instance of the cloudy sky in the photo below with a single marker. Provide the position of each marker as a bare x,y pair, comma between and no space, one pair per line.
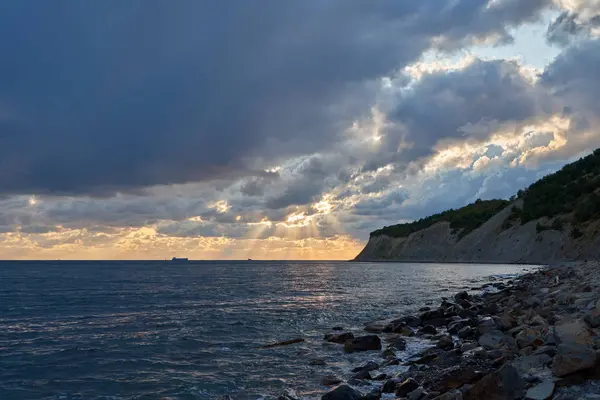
278,129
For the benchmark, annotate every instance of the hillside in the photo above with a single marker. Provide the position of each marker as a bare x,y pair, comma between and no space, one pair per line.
555,219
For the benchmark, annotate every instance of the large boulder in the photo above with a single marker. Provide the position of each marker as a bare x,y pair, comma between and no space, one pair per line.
573,332
495,339
542,391
338,337
504,384
404,388
572,358
342,392
363,343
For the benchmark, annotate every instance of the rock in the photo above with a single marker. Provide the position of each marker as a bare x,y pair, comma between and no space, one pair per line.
541,391
412,321
397,342
338,337
466,332
445,343
572,358
369,366
504,384
529,337
428,330
507,321
404,331
316,361
376,327
531,364
423,309
226,397
284,343
388,353
493,340
337,328
417,394
404,388
372,396
288,394
390,385
532,302
362,375
573,332
330,380
380,377
486,324
462,296
538,320
548,350
363,343
456,326
342,392
454,378
593,318
452,395
468,346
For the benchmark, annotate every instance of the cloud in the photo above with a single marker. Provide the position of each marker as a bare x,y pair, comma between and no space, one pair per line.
116,97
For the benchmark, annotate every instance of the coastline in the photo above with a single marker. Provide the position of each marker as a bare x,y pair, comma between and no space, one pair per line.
535,336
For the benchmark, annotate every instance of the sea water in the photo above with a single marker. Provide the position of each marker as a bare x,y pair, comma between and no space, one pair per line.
151,330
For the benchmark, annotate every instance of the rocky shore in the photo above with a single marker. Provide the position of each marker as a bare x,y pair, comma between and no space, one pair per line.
537,337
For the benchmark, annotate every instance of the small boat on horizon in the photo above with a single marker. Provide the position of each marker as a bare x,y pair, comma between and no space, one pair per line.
249,259
179,259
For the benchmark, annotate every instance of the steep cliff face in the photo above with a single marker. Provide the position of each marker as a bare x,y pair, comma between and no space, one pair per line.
495,241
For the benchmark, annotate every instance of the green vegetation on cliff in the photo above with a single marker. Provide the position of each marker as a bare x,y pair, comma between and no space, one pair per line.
573,192
463,220
573,189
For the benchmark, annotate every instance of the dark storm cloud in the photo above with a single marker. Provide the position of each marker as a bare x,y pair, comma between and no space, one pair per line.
98,97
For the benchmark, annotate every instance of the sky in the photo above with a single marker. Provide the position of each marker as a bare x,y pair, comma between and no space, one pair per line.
149,129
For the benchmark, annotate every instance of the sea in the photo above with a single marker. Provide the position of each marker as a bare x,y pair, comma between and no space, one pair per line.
163,330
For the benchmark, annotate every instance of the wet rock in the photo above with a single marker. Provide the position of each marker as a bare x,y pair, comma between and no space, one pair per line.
504,384
468,346
362,375
466,332
462,296
391,361
404,388
541,391
390,385
337,328
288,394
342,392
284,343
593,318
388,353
330,380
380,377
572,358
363,343
369,366
445,343
452,395
338,337
316,361
573,332
417,394
507,321
375,327
538,320
423,309
486,324
428,330
371,396
397,342
405,331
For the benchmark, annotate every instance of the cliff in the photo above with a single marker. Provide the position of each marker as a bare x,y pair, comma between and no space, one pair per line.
555,219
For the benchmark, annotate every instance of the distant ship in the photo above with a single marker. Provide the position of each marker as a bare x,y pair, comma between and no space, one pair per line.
179,259
249,259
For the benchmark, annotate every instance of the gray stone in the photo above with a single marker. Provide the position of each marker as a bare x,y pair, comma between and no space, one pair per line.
593,318
466,332
504,384
445,342
573,358
417,394
492,340
531,364
363,343
486,324
451,395
573,332
330,380
428,330
342,392
549,350
397,342
390,385
338,337
541,391
369,366
406,387
376,327
529,337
